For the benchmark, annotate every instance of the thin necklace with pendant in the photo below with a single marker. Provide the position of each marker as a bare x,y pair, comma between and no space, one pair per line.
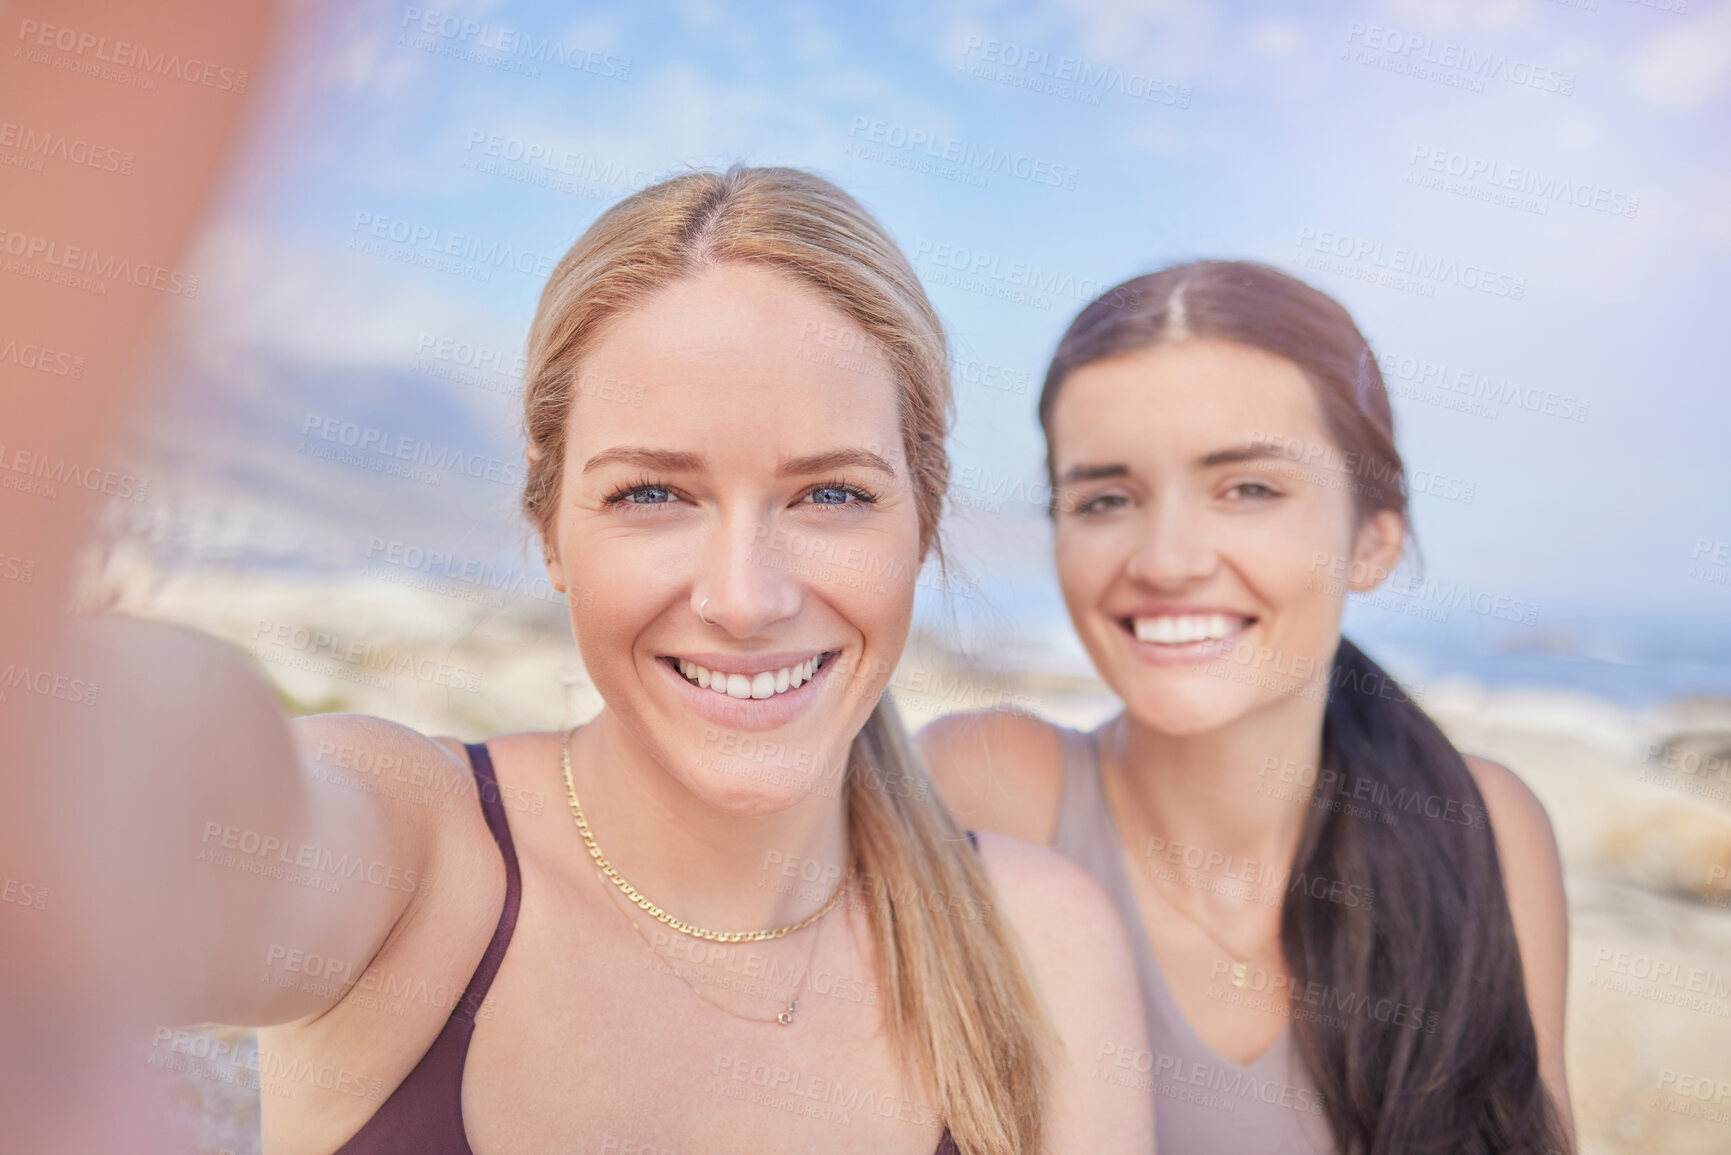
785,1018
1240,963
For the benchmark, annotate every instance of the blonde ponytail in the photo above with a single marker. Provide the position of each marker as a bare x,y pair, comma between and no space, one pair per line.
961,1007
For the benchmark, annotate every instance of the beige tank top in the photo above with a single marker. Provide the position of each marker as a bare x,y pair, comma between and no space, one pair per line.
1204,1104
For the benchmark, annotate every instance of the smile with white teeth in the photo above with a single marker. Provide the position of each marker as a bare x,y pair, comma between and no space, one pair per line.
764,684
1183,629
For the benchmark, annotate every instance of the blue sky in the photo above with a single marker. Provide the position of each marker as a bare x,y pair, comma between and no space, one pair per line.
1573,153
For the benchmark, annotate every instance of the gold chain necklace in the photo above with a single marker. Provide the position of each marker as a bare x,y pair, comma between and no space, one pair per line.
785,1018
656,912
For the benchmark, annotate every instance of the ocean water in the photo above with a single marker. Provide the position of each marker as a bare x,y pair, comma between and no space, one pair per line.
1631,660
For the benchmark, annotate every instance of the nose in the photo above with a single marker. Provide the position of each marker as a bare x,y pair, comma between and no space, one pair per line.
744,583
1175,550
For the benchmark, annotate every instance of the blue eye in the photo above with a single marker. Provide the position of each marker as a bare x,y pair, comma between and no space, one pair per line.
1252,489
639,493
839,493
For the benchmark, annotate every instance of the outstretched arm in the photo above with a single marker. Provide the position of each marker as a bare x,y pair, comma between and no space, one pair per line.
198,828
129,749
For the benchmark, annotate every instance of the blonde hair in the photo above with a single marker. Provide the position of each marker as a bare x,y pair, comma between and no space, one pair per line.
960,1005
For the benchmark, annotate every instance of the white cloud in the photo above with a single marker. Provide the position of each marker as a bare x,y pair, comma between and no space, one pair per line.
325,307
348,47
1172,38
1685,67
1275,38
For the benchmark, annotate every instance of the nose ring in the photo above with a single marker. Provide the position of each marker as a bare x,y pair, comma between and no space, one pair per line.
700,616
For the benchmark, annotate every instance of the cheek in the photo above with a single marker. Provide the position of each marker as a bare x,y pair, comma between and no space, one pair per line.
617,552
1297,545
1089,557
603,631
1288,562
615,584
1283,560
882,605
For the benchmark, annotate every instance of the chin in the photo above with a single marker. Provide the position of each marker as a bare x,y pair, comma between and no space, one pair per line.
753,771
759,777
1183,709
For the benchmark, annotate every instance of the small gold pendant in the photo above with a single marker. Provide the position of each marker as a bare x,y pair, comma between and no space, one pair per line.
1241,975
786,1017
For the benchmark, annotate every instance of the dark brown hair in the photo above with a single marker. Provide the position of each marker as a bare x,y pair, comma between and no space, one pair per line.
1439,936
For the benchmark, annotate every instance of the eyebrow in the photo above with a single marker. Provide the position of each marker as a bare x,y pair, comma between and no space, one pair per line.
834,459
675,461
1233,456
1092,473
1238,454
668,459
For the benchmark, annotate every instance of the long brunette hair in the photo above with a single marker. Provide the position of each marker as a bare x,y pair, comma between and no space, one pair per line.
960,1005
1463,1076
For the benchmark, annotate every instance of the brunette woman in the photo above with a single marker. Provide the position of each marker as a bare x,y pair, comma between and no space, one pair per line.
1349,936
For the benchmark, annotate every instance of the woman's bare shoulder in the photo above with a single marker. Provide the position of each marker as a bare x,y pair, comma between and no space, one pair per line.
998,770
1043,891
1526,848
425,796
1067,925
1533,880
1079,955
1526,843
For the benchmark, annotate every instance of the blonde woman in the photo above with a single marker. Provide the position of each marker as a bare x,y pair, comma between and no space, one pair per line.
742,921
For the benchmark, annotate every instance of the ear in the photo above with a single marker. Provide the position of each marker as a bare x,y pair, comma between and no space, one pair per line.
1377,550
549,553
555,570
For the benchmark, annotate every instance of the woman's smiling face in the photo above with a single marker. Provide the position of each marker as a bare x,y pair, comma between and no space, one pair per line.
744,475
1196,556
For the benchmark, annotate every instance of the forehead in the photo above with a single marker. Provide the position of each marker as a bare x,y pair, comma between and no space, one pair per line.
737,362
1188,397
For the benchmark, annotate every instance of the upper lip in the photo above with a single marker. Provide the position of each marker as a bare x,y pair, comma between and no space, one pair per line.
749,664
1179,610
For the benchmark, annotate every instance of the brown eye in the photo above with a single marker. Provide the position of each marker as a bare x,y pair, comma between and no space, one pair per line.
1103,503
